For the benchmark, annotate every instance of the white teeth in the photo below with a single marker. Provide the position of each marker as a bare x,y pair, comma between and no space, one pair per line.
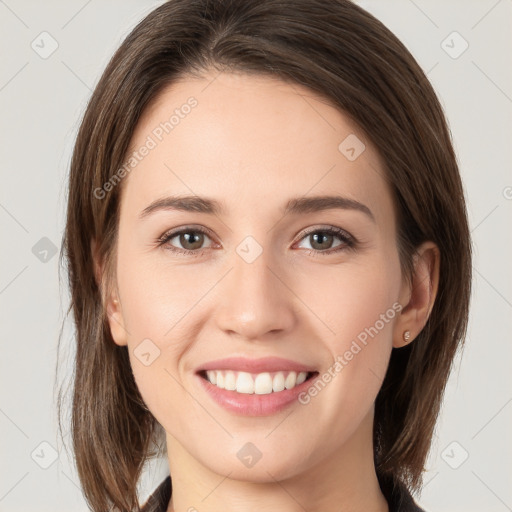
301,377
260,384
230,381
244,383
289,383
263,384
278,382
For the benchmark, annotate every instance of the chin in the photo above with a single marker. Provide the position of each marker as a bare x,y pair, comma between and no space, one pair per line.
248,463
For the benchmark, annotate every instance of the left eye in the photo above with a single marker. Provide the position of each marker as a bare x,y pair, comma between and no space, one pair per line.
321,240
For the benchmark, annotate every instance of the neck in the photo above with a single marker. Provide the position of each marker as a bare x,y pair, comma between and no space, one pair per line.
344,481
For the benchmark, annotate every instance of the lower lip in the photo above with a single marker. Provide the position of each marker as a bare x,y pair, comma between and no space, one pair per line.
252,404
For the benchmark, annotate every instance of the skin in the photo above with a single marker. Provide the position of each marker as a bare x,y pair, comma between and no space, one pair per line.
253,143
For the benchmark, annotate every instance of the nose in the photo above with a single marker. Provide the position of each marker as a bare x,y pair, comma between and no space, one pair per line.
256,299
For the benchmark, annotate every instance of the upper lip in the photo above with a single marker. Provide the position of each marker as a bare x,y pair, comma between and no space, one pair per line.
264,364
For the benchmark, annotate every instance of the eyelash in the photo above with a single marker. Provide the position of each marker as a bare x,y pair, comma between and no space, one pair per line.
349,242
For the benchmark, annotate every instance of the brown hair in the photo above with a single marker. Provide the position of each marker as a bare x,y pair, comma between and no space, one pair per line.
343,53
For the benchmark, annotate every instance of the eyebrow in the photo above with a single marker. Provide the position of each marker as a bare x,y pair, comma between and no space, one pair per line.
298,205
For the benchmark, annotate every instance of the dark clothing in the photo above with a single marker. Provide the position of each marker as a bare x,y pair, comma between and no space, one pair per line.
159,500
398,497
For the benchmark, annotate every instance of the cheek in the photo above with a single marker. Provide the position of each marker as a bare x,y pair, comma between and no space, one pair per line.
156,295
349,299
359,308
155,303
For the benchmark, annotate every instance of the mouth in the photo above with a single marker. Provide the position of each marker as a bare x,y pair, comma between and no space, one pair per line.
263,383
255,387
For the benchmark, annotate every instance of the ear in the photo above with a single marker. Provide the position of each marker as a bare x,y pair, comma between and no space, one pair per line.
109,298
417,296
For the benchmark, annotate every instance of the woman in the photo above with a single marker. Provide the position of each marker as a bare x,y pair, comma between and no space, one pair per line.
269,261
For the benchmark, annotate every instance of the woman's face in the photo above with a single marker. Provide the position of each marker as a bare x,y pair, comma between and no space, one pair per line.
262,278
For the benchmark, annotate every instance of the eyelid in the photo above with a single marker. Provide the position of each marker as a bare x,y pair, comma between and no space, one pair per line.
171,233
326,228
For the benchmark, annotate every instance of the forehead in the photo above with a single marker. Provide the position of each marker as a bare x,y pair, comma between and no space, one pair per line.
250,140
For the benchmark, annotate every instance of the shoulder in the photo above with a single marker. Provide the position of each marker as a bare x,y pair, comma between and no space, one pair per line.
159,500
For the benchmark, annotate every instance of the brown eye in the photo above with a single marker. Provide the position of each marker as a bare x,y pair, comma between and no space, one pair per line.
187,241
191,240
322,240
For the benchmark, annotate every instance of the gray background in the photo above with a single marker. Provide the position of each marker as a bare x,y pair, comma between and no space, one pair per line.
42,100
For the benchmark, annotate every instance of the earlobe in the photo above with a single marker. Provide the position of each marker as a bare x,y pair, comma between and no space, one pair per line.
421,292
116,321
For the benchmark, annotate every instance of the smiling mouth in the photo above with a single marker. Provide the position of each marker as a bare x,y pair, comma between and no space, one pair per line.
262,383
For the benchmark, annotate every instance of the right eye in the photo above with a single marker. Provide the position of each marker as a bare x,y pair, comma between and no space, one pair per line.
190,239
